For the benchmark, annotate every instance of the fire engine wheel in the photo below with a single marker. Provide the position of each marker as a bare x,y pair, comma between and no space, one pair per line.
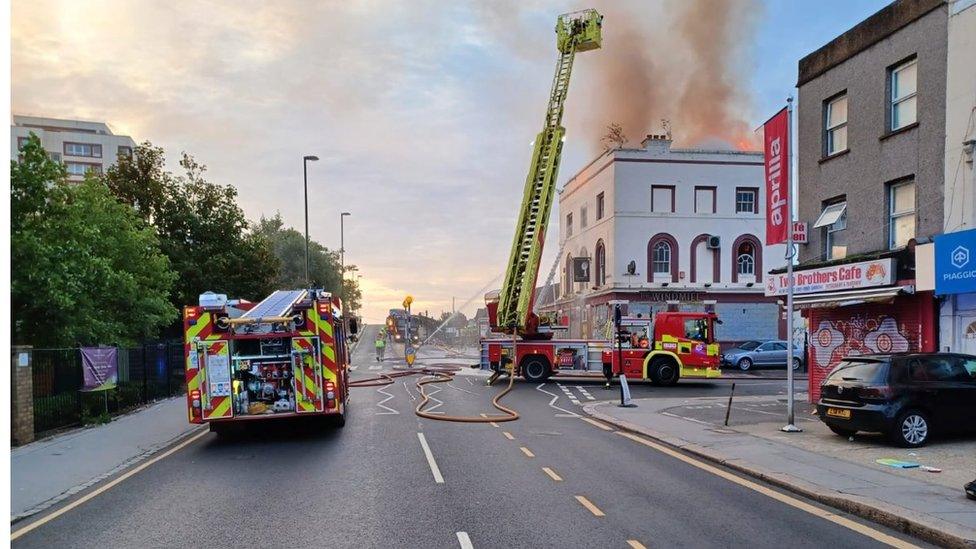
664,371
535,369
340,421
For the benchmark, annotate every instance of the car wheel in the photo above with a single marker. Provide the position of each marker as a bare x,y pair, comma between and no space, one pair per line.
664,371
912,429
796,364
535,369
846,433
744,364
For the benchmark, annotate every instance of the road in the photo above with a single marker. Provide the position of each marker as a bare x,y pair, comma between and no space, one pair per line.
391,479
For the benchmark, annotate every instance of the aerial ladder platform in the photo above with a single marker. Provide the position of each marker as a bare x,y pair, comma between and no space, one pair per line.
513,306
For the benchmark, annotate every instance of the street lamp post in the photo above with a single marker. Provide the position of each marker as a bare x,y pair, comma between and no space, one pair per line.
305,160
342,255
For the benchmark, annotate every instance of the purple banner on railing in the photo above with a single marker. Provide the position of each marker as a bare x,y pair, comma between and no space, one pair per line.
101,367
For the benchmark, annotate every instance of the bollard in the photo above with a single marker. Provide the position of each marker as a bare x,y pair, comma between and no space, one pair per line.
728,409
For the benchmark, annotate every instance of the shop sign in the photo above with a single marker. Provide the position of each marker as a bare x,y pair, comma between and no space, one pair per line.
955,263
800,232
852,276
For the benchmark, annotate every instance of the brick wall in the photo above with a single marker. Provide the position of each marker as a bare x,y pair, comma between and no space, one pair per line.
22,397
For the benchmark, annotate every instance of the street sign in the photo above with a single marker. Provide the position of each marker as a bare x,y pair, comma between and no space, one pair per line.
410,354
581,269
800,235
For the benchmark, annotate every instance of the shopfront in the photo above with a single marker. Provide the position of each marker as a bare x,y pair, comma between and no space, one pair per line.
856,309
955,284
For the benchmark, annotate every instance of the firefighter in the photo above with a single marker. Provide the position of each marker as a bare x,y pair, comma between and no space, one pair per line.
380,347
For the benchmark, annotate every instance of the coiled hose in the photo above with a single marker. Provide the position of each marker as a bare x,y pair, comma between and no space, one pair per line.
441,374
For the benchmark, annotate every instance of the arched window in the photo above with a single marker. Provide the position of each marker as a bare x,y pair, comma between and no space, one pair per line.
568,276
662,258
746,259
661,262
746,262
601,264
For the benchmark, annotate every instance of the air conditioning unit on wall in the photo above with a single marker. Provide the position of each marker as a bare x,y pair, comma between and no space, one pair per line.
714,242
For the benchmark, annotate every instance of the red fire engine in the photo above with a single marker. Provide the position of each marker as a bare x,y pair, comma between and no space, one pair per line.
283,357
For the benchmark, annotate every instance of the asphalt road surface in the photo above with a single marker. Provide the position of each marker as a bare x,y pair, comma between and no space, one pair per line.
391,479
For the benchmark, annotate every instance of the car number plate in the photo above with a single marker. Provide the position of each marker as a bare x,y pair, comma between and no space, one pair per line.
838,412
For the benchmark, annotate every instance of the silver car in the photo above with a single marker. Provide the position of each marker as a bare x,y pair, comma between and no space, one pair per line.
752,354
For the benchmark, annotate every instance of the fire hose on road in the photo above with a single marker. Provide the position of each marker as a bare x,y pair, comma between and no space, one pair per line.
441,374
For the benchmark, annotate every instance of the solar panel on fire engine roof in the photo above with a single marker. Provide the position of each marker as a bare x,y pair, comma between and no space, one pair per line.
276,304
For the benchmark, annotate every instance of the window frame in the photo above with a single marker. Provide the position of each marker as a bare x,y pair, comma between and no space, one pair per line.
755,199
600,259
128,151
714,190
752,263
829,131
600,206
669,188
894,216
569,224
583,217
93,147
893,71
655,261
829,230
89,167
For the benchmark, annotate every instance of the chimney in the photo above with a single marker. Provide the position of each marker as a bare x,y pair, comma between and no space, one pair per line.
656,143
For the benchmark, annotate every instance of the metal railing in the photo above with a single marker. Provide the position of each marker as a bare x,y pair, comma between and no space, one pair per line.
146,373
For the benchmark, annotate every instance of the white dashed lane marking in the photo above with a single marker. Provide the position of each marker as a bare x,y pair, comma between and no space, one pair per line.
569,394
585,393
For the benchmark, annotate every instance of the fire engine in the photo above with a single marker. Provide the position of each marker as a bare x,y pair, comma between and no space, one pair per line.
283,357
671,351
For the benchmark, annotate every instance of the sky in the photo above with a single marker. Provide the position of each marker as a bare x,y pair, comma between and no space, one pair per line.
422,112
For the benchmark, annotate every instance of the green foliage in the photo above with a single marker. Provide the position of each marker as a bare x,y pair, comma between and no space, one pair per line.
85,269
201,228
324,269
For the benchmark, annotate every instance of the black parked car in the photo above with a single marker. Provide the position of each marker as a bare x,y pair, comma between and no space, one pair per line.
905,396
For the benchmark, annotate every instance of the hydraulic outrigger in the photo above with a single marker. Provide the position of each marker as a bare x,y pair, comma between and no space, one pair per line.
510,311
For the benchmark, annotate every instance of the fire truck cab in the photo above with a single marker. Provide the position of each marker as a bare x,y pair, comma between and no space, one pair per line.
283,357
674,345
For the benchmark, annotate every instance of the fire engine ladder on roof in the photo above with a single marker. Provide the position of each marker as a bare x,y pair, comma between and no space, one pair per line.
515,298
277,304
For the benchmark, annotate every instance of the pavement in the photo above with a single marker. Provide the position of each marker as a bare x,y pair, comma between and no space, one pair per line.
554,478
48,471
816,463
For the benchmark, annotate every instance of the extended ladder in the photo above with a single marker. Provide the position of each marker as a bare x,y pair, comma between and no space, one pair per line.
575,32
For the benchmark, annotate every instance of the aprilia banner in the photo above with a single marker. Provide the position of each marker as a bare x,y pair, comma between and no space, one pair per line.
776,138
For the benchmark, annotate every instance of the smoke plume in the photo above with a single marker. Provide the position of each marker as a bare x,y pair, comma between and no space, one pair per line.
680,60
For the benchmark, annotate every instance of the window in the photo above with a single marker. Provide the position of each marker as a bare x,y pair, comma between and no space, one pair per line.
745,200
599,206
835,125
125,151
21,141
903,82
661,263
943,368
568,278
833,218
83,149
569,224
901,214
601,264
704,199
82,168
583,220
695,328
662,199
746,262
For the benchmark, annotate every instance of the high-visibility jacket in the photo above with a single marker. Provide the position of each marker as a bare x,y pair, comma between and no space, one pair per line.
380,343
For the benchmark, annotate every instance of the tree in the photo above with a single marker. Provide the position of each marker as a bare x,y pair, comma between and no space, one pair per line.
614,138
86,269
201,228
324,270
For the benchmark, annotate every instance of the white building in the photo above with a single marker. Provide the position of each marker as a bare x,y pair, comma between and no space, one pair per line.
82,146
663,224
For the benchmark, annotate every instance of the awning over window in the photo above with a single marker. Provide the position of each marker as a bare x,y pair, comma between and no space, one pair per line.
830,215
844,299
